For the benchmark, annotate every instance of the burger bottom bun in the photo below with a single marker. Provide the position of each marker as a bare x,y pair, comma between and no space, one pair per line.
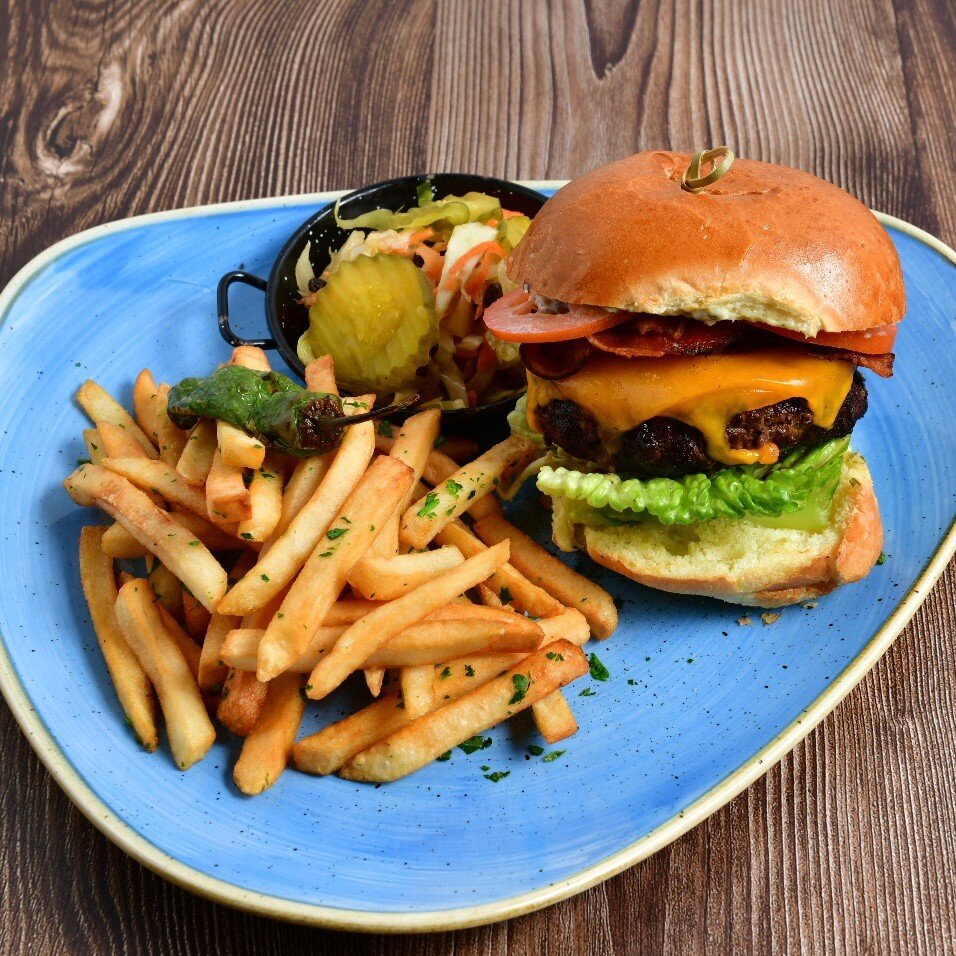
747,563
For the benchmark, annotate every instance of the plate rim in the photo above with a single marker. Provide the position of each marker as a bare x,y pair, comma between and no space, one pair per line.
221,891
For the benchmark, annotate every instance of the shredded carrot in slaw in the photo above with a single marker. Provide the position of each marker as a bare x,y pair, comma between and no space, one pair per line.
473,253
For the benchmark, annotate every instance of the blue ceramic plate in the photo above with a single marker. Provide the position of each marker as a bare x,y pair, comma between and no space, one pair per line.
697,706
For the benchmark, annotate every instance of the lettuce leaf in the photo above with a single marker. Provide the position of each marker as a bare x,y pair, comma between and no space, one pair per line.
518,422
805,477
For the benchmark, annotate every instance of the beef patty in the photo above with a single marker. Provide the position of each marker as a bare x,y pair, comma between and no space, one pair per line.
667,447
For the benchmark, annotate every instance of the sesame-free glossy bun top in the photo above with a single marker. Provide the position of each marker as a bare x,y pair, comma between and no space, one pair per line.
764,243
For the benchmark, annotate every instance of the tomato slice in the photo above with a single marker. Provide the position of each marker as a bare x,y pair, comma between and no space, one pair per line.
514,319
868,341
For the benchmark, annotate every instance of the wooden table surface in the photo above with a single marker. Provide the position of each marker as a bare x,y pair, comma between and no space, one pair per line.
109,108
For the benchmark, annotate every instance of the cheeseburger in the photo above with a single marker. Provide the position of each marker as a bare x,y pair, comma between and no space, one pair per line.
695,331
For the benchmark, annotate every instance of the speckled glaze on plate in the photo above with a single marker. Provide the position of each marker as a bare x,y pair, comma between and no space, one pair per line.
698,706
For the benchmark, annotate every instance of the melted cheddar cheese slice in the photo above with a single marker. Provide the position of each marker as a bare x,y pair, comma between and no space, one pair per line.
705,392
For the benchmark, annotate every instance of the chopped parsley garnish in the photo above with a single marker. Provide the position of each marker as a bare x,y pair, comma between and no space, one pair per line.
552,756
446,672
554,656
385,428
506,596
598,670
248,535
80,462
194,544
474,744
469,670
497,775
336,533
445,756
882,558
522,683
454,487
327,554
535,750
439,441
430,505
587,692
265,577
632,682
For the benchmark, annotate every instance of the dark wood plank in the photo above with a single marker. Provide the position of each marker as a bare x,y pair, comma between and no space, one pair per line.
109,109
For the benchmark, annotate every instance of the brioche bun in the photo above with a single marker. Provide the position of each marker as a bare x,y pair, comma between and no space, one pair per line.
743,562
765,243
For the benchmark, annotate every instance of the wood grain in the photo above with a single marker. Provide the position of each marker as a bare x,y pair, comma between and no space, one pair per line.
110,108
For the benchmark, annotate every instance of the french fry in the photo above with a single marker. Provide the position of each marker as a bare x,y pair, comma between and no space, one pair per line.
102,407
540,567
348,611
374,679
160,534
301,486
119,543
458,447
412,446
428,737
333,746
196,460
237,448
187,646
288,553
195,617
129,679
446,634
324,575
553,717
439,467
488,596
320,375
212,671
507,582
158,478
385,578
265,501
363,638
217,538
268,747
455,495
486,507
417,690
165,586
190,731
94,445
150,400
570,625
250,356
241,703
118,442
227,497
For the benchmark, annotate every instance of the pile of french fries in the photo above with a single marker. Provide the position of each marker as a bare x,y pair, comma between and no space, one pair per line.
384,556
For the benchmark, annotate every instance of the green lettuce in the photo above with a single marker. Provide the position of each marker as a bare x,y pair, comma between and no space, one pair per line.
518,422
804,478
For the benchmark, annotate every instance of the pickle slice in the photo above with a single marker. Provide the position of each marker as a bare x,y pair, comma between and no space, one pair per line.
376,318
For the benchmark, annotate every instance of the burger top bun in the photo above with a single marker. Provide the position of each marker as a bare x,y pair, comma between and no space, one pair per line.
764,243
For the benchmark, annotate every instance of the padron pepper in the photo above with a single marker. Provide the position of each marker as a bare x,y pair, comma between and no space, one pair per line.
271,407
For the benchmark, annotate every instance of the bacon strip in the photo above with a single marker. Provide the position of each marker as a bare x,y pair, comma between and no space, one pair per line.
653,336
